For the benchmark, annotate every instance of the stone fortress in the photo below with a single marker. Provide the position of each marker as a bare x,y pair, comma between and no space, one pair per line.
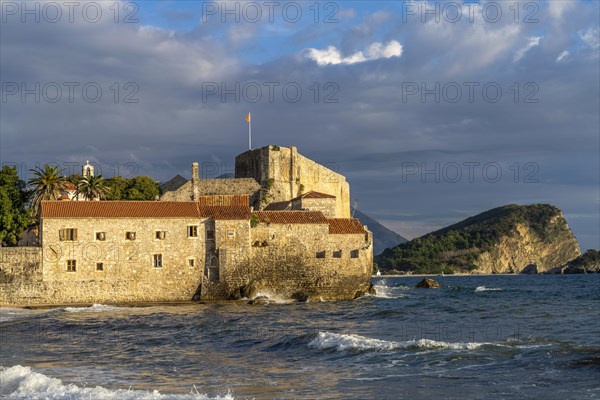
281,228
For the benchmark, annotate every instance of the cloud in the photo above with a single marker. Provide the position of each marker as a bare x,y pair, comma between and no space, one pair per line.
591,37
562,56
331,55
532,42
558,9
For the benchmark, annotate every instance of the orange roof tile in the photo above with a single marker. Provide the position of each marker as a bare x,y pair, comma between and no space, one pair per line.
291,217
140,209
224,200
341,226
314,195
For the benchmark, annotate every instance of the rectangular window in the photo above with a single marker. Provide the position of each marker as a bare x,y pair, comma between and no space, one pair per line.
192,231
230,233
157,260
69,234
320,254
161,235
130,235
337,254
99,266
354,254
210,234
71,265
101,236
191,262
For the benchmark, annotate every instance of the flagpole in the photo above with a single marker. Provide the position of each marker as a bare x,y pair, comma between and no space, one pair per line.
250,132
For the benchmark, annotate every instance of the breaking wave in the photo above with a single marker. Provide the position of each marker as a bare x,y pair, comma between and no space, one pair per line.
94,308
343,342
486,289
382,290
20,382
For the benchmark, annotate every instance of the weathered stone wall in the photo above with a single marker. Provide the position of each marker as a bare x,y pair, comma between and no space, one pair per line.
282,261
127,274
205,187
284,174
276,259
327,206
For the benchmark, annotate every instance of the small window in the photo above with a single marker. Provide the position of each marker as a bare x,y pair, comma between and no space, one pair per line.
191,262
320,254
71,265
69,234
161,235
210,234
337,254
130,235
230,233
101,236
192,231
157,261
99,266
354,254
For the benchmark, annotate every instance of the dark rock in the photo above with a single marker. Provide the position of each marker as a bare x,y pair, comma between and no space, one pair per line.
530,269
428,283
248,291
361,293
235,295
300,296
260,300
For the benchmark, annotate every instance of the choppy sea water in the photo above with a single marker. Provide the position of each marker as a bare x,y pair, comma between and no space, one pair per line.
478,337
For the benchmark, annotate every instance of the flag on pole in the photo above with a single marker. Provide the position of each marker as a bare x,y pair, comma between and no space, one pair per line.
249,121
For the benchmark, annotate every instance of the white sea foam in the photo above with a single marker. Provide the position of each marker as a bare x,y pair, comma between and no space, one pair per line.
94,308
343,342
382,290
486,289
20,382
273,298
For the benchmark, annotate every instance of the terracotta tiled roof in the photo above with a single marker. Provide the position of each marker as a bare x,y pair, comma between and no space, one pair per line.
278,206
291,217
224,200
70,186
140,209
226,212
64,197
314,195
340,226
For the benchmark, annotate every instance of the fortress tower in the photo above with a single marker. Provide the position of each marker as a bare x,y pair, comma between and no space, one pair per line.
284,174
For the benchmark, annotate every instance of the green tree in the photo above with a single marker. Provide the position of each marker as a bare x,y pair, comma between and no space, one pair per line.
14,215
142,188
117,186
47,185
92,187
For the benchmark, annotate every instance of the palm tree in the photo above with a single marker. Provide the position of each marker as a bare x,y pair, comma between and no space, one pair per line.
47,184
92,187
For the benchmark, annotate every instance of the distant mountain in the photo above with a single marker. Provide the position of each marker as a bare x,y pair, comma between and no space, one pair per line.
383,237
508,239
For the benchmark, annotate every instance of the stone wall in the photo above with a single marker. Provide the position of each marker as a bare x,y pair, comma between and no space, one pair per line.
284,174
205,187
327,206
282,261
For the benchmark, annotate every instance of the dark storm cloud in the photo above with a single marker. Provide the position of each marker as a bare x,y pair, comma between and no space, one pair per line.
374,134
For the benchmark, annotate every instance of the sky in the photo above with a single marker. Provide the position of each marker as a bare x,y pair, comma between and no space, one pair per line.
434,111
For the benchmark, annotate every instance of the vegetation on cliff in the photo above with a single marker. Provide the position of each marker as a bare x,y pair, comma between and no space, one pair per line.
459,247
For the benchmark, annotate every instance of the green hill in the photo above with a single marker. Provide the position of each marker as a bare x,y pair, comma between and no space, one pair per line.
506,239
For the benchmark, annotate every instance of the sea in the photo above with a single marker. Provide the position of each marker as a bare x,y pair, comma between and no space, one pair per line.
476,337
